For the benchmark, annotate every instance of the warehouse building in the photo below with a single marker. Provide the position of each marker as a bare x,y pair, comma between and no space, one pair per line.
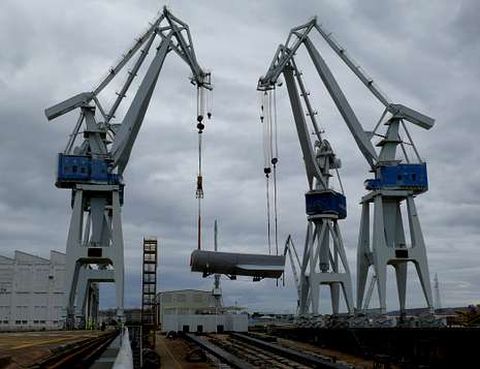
31,291
191,310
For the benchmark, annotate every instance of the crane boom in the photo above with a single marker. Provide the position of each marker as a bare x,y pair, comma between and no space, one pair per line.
129,54
285,56
355,68
342,104
411,115
311,165
175,35
127,134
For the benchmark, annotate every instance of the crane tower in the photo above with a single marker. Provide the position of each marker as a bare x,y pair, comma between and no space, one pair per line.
93,169
399,177
324,261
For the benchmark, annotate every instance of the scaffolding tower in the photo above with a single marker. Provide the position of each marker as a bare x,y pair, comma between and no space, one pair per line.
149,289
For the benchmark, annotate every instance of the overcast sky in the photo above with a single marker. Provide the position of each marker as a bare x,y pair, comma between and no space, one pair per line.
424,54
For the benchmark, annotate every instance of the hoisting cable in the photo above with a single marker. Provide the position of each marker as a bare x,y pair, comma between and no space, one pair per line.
269,240
209,103
274,163
199,191
264,119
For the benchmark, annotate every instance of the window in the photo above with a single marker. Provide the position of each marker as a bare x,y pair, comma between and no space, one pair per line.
74,169
18,322
414,177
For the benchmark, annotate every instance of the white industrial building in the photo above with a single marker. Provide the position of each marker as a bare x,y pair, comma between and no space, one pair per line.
191,310
31,291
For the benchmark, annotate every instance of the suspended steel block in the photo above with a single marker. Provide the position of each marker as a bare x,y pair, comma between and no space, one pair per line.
231,264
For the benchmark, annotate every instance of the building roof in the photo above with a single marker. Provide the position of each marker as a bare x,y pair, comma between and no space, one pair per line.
25,258
22,257
5,260
185,290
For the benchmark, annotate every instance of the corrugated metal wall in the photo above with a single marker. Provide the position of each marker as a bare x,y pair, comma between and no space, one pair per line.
31,291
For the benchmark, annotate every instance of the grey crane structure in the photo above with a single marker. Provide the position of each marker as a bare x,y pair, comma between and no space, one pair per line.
216,290
397,180
94,169
324,260
292,253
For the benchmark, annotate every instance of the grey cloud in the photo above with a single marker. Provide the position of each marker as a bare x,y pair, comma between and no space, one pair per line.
52,52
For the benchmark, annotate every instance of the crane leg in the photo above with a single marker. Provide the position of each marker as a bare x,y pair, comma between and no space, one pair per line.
418,247
401,274
380,252
117,257
335,296
73,267
363,250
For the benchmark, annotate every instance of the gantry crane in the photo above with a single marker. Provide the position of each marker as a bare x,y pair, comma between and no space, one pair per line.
397,179
324,260
93,169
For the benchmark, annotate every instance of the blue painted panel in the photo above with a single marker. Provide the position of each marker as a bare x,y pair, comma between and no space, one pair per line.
83,169
326,202
401,176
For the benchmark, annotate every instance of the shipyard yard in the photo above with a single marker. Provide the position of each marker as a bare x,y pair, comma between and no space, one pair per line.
249,185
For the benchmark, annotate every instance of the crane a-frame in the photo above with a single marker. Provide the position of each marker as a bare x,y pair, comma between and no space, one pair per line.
93,169
397,180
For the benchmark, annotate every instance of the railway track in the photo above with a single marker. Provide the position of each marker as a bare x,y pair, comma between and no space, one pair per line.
245,352
79,355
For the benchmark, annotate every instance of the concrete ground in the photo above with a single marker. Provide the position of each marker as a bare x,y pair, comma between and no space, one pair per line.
173,354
